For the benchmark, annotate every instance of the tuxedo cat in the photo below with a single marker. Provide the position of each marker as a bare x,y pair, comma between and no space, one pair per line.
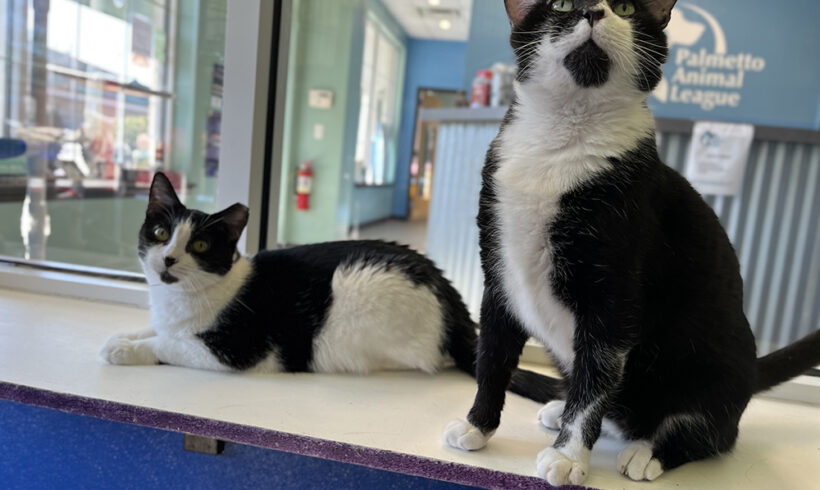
351,307
609,257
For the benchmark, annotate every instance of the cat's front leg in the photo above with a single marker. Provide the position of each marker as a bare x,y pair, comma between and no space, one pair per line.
501,340
122,348
138,335
126,351
187,351
596,373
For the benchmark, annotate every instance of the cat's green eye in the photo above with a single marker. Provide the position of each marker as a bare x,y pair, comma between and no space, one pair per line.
161,234
562,5
200,246
624,9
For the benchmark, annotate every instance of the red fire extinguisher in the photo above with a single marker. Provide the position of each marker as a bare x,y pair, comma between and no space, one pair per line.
303,186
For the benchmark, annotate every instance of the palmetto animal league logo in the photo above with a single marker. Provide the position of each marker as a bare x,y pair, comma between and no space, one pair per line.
704,75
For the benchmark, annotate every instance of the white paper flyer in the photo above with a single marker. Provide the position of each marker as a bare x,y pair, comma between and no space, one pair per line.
718,157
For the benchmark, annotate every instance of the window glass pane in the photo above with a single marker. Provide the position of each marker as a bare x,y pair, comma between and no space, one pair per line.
377,111
97,95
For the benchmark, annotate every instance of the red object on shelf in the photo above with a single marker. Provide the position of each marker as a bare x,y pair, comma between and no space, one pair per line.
482,88
303,186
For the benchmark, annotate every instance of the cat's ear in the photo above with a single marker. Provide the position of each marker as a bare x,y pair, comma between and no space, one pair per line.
661,10
234,218
518,9
162,197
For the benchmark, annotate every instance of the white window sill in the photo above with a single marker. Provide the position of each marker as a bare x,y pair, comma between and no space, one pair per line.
50,343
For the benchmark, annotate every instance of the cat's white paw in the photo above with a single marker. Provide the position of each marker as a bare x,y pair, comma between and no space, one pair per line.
124,351
550,414
463,435
637,463
558,469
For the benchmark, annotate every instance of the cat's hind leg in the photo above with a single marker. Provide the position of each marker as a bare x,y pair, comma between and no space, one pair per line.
550,414
550,417
679,439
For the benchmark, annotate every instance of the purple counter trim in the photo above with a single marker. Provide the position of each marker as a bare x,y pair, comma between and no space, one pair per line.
271,439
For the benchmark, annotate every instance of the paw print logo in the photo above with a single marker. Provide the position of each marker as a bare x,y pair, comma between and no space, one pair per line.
685,30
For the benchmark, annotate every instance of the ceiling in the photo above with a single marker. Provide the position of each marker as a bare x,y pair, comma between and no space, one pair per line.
421,19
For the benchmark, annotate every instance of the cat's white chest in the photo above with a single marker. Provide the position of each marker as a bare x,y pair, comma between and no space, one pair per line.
528,190
526,273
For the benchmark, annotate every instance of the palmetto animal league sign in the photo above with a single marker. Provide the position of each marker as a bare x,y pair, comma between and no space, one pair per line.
743,60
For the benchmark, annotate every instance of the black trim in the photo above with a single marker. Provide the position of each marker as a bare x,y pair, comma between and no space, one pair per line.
270,126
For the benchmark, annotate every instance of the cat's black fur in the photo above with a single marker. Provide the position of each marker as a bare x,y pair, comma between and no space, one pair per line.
651,278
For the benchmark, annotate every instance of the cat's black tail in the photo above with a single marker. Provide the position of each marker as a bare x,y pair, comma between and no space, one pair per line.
788,362
537,387
462,348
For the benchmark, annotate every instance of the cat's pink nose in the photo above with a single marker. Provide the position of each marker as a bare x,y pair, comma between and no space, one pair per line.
169,261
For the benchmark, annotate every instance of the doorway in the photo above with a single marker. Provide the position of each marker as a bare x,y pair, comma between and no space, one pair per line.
413,230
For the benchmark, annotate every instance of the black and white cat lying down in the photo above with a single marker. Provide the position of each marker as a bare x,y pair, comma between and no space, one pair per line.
339,307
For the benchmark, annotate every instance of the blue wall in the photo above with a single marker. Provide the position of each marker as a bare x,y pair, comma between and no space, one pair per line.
778,50
489,39
46,449
430,64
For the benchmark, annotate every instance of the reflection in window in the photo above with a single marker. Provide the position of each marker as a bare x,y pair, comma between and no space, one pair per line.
101,94
378,115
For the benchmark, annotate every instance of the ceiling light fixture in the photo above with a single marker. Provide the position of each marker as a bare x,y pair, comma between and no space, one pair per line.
434,3
445,24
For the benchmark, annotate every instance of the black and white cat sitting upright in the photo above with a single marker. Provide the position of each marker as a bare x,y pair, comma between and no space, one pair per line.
351,307
594,246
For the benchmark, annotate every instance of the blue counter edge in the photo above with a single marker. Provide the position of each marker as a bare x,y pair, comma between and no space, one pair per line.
270,439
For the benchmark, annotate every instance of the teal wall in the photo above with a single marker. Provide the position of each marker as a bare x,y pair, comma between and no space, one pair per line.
321,51
326,49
